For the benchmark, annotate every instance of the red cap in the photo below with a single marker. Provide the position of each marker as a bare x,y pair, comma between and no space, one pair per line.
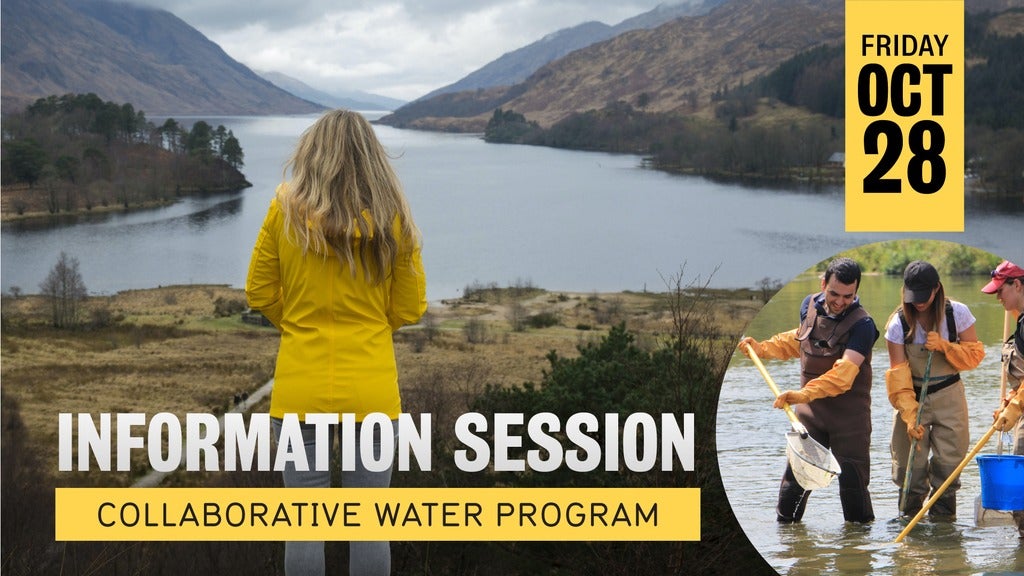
1005,271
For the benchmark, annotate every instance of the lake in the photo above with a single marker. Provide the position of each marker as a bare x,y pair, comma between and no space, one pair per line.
751,455
561,220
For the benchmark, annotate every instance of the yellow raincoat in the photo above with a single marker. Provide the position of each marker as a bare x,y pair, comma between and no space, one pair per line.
336,353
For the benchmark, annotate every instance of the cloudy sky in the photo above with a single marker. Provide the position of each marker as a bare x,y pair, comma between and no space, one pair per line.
397,48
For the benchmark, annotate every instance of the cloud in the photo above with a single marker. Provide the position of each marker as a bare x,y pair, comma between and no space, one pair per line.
400,48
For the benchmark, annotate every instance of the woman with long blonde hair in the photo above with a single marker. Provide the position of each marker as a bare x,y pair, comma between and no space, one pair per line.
337,269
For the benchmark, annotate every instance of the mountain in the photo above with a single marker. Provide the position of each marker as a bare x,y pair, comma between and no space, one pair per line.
516,66
676,67
356,100
124,53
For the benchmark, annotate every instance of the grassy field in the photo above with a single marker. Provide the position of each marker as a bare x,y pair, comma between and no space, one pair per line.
185,349
170,349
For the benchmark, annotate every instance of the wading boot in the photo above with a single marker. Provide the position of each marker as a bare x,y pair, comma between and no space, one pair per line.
792,499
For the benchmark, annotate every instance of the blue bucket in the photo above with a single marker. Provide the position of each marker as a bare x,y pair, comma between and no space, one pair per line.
1002,482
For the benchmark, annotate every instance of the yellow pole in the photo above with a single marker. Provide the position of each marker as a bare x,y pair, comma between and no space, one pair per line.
775,389
956,473
1002,377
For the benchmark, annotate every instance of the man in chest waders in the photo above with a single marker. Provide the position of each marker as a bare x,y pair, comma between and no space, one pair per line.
834,343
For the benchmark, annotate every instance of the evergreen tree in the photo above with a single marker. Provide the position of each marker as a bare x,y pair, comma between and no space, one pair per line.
24,160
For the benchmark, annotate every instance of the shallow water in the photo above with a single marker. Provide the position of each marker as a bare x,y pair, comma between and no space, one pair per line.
751,451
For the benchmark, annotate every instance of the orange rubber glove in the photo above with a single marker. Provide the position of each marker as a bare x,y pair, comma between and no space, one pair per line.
1009,416
782,346
899,384
837,380
792,397
962,356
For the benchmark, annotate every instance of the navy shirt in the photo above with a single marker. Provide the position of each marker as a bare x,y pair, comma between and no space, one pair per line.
862,335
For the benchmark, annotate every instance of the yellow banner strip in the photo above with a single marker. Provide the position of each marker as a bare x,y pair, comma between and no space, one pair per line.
411,514
905,116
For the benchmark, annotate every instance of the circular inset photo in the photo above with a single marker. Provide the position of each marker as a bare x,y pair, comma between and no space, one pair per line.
854,410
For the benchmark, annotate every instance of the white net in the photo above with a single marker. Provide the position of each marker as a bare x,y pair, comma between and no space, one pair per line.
813,465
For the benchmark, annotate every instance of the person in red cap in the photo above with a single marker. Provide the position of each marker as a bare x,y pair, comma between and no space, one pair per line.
834,343
1008,286
930,338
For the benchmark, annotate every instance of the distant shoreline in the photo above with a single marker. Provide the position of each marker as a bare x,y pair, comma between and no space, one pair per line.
43,218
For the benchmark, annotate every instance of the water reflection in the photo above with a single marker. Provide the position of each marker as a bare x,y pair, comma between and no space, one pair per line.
198,221
937,548
823,552
204,207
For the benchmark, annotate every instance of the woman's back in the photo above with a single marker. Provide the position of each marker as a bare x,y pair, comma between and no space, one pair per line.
334,278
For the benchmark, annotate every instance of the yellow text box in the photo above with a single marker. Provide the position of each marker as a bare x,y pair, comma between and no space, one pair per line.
905,115
366,514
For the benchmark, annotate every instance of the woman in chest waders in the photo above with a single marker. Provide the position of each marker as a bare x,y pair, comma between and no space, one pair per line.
930,339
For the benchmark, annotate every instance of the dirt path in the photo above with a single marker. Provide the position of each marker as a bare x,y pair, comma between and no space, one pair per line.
155,478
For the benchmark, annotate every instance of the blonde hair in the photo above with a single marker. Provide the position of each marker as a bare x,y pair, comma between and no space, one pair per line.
345,196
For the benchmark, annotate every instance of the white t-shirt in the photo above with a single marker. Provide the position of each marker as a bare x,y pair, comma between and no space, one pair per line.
961,315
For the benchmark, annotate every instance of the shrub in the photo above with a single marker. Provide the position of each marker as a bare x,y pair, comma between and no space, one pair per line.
101,317
476,331
28,501
223,307
543,320
615,375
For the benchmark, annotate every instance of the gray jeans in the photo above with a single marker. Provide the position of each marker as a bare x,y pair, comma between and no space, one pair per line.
303,558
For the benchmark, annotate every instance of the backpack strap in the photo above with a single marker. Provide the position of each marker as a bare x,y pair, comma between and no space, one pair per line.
954,335
904,324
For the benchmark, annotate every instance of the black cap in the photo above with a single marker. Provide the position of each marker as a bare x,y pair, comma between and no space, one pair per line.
919,279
